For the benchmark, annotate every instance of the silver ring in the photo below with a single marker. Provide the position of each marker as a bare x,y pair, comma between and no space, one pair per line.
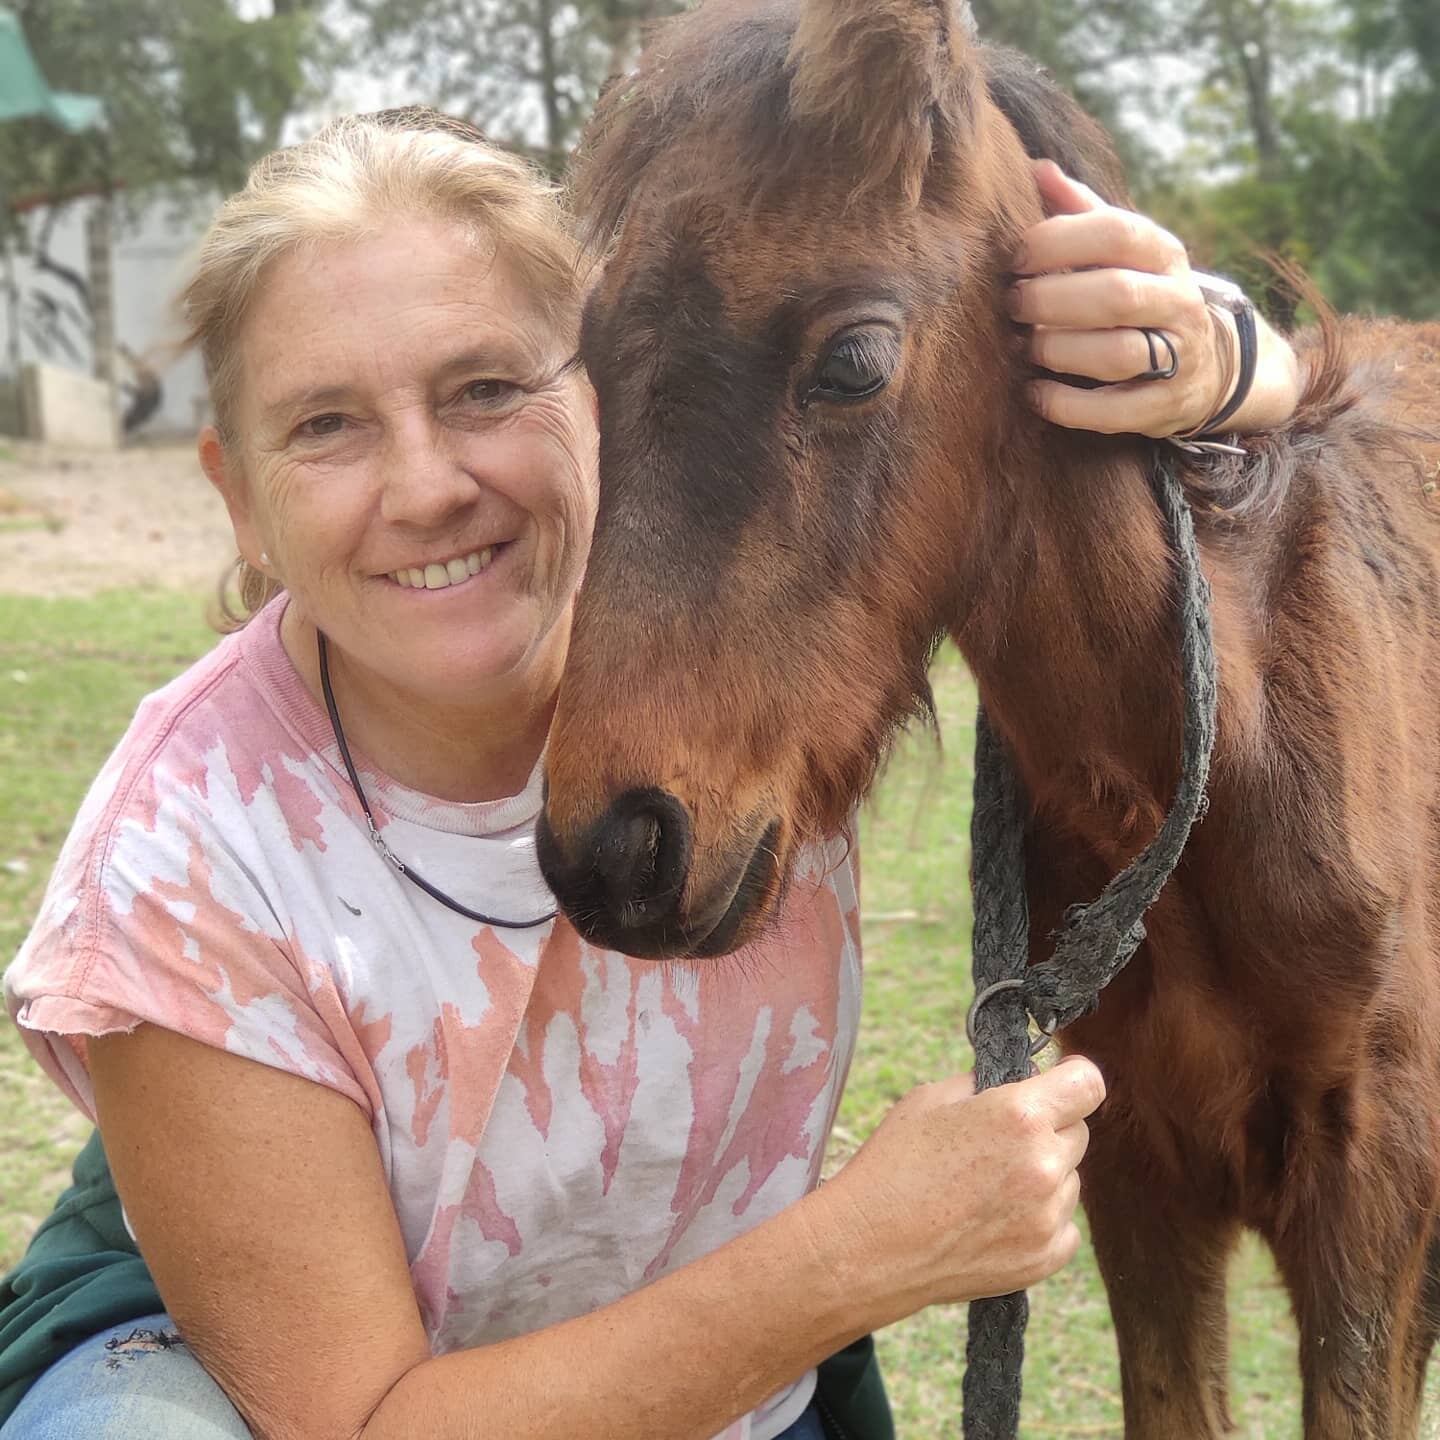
988,994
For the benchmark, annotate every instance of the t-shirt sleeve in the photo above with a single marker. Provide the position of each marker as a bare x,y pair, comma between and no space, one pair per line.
173,927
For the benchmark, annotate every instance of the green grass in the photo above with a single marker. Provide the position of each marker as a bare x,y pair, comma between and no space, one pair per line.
71,672
13,524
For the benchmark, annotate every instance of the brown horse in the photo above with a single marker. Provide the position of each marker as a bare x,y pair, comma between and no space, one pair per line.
815,462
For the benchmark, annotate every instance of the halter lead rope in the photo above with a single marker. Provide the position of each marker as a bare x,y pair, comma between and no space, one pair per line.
1092,946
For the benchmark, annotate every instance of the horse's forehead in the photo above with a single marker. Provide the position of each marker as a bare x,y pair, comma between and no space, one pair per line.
750,263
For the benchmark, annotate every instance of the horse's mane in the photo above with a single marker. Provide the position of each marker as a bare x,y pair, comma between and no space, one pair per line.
703,63
1050,124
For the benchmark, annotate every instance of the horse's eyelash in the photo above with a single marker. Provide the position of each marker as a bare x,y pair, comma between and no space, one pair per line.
872,347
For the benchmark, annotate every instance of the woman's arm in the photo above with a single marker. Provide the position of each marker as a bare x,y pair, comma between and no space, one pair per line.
1087,279
260,1205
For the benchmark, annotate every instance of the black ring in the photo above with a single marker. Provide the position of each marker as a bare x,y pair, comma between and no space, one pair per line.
1155,372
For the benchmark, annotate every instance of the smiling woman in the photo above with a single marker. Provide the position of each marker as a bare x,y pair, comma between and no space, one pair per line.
468,466
398,1168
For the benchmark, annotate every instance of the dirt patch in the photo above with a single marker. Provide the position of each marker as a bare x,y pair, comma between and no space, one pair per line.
75,522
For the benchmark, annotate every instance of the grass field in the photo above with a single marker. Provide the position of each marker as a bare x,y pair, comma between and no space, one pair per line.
70,674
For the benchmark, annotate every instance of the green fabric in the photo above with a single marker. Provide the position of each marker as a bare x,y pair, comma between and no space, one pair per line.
850,1395
23,91
81,1274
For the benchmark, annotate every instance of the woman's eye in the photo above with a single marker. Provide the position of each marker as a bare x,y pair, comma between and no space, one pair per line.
319,426
858,364
487,392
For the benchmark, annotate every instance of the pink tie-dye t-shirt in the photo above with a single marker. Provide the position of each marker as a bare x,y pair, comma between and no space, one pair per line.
558,1124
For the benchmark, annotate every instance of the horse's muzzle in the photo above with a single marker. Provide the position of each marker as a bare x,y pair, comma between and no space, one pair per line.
623,883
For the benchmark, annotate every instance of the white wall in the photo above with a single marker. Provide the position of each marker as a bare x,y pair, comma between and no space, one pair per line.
149,258
62,407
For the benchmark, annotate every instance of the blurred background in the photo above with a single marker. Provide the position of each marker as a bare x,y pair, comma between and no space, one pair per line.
1306,128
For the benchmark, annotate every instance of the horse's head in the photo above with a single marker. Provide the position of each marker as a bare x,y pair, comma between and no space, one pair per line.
805,377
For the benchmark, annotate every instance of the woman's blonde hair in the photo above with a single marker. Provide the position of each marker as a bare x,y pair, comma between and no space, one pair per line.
343,184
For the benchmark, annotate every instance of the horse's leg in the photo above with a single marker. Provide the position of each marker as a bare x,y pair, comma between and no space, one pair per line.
1355,1249
1162,1253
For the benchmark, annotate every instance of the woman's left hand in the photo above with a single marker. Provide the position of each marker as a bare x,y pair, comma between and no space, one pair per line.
1090,280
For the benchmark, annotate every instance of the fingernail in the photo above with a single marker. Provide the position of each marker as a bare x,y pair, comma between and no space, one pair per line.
1015,298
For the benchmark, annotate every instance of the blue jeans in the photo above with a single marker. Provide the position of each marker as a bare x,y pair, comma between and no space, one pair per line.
136,1379
139,1381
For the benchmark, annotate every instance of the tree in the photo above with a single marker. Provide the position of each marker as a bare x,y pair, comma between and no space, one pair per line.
1082,43
192,91
525,71
1315,135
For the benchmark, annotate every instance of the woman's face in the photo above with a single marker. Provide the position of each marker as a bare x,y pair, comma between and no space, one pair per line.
416,457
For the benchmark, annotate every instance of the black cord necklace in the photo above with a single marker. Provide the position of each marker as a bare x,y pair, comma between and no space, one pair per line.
407,871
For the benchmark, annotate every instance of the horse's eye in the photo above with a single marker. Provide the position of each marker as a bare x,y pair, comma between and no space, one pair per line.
858,364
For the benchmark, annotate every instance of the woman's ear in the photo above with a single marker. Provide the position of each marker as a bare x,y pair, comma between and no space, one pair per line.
225,475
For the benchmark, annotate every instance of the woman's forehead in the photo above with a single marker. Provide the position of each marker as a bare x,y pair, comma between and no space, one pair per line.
414,295
395,264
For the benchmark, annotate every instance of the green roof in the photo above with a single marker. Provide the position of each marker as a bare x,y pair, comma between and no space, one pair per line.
24,93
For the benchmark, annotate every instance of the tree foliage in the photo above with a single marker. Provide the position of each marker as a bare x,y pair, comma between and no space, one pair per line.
193,91
526,71
1311,128
1315,136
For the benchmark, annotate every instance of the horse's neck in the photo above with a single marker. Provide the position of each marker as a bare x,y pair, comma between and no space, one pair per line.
1070,627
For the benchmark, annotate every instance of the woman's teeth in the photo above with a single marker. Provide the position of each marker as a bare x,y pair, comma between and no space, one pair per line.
437,577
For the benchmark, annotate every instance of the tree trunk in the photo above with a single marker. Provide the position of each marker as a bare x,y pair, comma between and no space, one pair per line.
549,87
1246,43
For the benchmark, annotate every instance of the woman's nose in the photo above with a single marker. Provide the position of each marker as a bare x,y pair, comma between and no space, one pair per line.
426,480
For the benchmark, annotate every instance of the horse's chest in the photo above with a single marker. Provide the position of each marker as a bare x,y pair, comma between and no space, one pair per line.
1242,1068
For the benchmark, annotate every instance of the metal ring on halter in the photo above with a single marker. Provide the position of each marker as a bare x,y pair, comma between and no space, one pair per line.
988,994
1155,372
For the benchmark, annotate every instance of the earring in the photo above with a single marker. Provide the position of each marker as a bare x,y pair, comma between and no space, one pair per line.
264,559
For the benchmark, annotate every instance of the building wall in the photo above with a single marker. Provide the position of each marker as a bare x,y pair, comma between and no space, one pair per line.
150,252
63,407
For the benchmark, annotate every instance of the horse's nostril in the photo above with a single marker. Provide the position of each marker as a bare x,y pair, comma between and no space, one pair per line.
625,858
642,853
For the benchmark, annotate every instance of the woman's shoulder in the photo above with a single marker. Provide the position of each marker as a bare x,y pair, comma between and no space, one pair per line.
168,904
212,717
176,793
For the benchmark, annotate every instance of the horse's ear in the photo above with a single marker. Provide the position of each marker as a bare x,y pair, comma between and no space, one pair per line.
873,74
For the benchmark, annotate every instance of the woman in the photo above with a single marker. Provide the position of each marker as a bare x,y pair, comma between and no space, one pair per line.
403,1155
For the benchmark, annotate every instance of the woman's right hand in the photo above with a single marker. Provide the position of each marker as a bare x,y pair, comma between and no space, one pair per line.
957,1196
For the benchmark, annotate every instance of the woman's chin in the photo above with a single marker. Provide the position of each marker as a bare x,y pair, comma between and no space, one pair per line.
465,668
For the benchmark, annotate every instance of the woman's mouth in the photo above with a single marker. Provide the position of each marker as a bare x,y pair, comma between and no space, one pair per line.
437,576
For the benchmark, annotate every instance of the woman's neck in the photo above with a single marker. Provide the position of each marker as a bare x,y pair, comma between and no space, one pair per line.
462,752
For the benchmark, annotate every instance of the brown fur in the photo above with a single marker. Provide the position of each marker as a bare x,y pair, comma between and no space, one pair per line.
770,572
